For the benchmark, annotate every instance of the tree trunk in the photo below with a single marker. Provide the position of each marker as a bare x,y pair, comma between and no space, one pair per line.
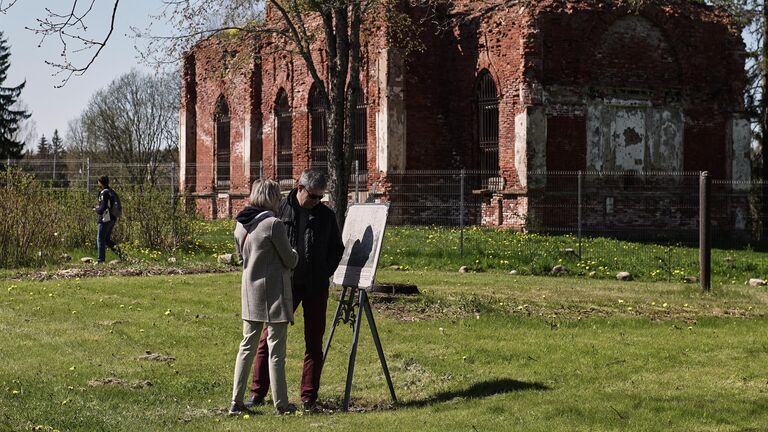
763,113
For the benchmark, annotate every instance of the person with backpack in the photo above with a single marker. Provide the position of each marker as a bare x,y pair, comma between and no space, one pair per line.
108,212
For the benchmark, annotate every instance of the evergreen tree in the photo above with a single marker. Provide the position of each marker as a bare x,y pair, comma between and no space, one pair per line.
43,148
56,147
9,117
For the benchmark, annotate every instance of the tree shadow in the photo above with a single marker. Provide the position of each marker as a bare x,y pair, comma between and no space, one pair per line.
479,390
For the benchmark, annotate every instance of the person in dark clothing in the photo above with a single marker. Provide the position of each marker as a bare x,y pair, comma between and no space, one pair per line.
106,220
313,232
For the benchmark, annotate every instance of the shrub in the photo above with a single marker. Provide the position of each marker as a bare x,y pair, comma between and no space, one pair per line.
37,224
28,220
152,219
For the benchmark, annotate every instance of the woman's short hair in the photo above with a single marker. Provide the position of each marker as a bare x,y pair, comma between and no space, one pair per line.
265,194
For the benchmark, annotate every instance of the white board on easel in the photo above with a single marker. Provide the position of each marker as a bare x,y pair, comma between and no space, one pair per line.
362,237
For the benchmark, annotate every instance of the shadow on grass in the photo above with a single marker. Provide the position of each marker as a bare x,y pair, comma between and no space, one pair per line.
479,390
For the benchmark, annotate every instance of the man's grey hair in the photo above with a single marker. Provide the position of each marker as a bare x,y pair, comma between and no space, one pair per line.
314,178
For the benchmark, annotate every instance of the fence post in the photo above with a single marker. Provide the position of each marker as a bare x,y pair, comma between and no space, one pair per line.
357,181
53,180
461,213
705,238
88,175
261,170
173,183
580,207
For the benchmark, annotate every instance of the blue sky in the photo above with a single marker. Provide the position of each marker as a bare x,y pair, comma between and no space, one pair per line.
52,108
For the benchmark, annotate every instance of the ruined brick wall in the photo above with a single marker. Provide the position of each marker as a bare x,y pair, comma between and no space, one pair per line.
442,83
224,67
675,60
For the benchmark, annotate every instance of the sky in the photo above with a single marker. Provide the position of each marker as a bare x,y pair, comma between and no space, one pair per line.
51,107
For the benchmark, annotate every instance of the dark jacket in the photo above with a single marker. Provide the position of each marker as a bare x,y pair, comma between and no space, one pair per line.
106,201
322,239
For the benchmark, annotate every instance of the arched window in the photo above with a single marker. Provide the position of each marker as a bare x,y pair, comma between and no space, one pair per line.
360,130
221,119
284,132
488,124
318,134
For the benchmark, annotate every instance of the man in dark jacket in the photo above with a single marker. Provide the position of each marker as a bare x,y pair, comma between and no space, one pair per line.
106,220
314,233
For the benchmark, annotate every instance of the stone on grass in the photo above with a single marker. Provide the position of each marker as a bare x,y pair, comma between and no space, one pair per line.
592,274
558,269
623,276
172,260
226,259
65,257
691,279
513,272
86,260
115,261
463,269
756,282
394,267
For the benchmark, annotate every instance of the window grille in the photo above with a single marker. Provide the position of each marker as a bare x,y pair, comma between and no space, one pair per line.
360,131
488,124
221,118
284,144
318,135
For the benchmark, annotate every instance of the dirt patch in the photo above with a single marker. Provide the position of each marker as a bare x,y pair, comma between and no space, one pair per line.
150,356
447,309
87,272
110,381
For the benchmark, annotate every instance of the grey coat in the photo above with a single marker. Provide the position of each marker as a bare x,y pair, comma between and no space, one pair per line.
267,262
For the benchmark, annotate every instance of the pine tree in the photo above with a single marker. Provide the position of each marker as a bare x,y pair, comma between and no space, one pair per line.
9,117
56,147
43,148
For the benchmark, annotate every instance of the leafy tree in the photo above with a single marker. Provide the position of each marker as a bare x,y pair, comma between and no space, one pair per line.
10,116
129,123
43,147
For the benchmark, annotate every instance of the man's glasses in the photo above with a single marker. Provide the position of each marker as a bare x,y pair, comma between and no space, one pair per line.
313,196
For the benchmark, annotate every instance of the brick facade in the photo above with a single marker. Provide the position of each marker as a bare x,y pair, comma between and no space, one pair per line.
582,86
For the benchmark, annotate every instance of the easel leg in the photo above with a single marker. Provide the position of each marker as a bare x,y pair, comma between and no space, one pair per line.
352,355
365,306
335,322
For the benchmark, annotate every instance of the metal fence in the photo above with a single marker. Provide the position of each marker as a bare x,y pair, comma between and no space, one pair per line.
656,207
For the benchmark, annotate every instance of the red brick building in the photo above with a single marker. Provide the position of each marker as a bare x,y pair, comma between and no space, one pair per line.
514,89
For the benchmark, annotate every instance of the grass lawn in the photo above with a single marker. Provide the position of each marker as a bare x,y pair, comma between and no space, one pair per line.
473,352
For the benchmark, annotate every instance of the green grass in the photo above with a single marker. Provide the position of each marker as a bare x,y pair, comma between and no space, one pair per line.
485,250
484,351
493,250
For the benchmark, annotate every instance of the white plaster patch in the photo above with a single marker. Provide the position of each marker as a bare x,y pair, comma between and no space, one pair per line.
521,147
741,136
628,139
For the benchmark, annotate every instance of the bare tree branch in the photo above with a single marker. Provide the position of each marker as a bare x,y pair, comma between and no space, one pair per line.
66,27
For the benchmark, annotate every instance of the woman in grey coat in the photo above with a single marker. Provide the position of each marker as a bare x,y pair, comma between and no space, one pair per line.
262,245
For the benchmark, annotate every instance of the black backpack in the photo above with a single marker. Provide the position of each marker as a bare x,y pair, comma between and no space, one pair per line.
117,209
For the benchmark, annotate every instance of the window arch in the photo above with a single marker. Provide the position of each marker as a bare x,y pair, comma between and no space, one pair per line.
284,133
359,130
488,123
222,120
318,134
